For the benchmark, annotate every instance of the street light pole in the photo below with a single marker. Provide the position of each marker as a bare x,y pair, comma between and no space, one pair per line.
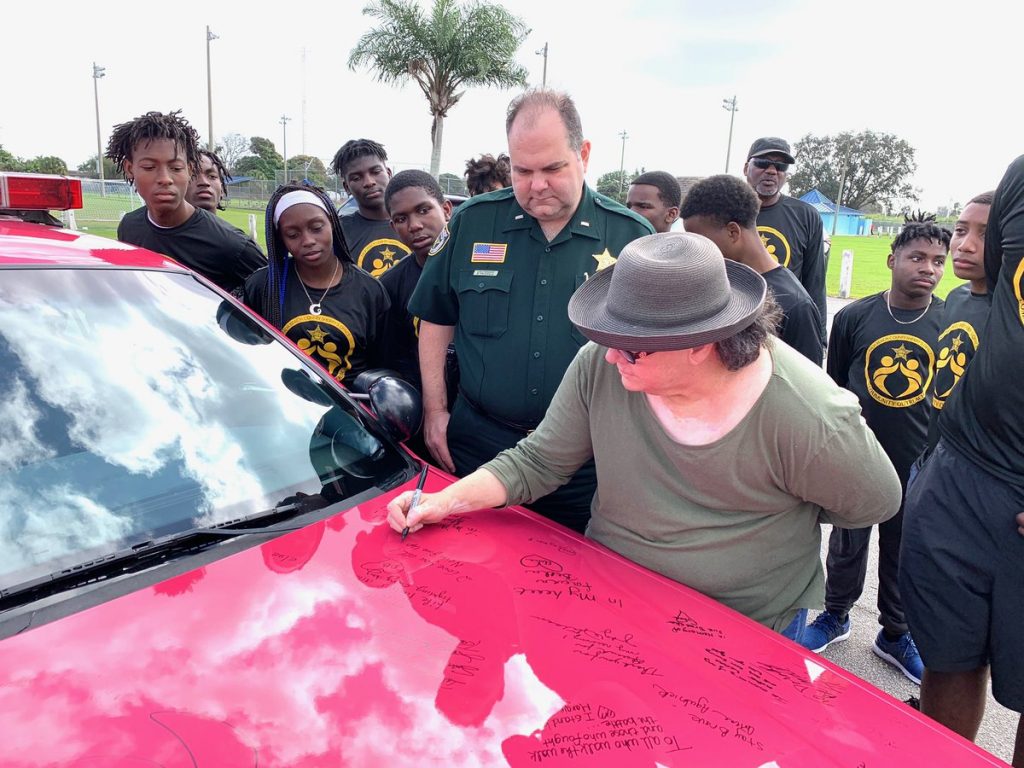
622,162
730,105
97,73
209,85
544,52
284,144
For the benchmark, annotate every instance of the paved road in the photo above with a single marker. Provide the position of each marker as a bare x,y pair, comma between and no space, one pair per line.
999,727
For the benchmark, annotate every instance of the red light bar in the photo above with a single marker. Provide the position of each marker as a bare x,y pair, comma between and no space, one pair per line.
39,192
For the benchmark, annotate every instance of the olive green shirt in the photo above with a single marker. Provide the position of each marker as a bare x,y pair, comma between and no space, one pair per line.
738,518
494,276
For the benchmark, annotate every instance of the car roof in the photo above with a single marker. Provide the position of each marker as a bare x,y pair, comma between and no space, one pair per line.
27,244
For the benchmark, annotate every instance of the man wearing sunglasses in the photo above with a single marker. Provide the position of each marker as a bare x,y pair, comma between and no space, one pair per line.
717,451
790,229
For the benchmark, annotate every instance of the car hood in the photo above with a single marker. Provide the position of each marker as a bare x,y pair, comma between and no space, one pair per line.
496,638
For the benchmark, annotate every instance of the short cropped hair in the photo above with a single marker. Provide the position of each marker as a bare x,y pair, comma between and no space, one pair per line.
537,99
412,178
669,191
722,199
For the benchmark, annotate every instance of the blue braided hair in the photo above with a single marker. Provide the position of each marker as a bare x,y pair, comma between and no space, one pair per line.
278,258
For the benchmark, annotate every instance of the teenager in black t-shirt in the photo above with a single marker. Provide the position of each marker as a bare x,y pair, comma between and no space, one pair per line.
882,348
311,290
966,313
159,154
962,564
419,213
724,209
361,164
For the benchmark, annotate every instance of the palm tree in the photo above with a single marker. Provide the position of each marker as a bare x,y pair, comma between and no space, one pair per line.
455,46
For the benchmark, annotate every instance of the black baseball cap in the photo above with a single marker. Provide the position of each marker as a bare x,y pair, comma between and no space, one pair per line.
768,145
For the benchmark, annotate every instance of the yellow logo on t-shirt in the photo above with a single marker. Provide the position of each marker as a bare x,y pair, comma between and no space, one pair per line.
957,346
1018,276
776,244
898,369
322,345
381,255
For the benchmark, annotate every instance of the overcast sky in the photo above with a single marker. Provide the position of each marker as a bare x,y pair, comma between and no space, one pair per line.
657,70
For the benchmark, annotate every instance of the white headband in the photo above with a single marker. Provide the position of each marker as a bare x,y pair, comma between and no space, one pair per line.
294,198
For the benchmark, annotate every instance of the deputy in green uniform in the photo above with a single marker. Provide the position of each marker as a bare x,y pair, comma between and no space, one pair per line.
498,281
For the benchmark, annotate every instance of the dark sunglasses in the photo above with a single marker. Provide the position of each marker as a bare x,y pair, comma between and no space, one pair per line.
632,357
760,162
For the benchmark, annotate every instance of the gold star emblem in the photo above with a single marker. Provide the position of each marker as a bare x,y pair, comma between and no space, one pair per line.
604,259
388,254
957,343
318,335
901,352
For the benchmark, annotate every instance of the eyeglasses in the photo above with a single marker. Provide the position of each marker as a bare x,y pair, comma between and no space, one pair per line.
632,357
760,162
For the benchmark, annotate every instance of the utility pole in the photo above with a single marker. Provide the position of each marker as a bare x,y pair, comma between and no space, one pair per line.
97,73
839,197
209,86
622,162
730,105
284,145
544,52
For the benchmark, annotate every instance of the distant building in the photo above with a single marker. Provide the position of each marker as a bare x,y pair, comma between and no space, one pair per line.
851,221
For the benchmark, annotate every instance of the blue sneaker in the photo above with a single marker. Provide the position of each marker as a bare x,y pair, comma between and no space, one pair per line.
823,631
902,654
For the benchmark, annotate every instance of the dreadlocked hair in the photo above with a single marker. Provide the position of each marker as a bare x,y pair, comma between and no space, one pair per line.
278,258
921,226
153,126
222,172
353,150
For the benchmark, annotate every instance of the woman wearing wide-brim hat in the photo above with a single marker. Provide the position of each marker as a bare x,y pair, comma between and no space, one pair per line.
719,449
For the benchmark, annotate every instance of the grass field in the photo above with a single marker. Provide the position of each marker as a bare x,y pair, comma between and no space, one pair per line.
870,273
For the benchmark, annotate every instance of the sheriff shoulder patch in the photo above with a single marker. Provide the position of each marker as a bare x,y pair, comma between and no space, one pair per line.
440,242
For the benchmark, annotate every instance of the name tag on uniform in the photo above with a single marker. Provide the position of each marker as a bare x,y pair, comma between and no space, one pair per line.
485,273
493,253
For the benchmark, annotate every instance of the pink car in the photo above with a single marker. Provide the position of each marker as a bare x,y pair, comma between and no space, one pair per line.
196,571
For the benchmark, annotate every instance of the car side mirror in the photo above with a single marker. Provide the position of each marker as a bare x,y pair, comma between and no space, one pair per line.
396,403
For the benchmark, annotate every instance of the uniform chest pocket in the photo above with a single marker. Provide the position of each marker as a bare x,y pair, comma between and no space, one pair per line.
484,301
578,337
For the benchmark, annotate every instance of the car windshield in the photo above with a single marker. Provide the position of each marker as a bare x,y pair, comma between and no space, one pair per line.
139,404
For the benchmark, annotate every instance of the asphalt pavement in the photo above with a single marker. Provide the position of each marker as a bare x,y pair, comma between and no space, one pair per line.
999,727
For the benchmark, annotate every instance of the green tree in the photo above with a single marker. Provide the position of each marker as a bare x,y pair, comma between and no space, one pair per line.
263,163
878,168
9,162
88,168
452,184
450,48
615,184
47,164
307,167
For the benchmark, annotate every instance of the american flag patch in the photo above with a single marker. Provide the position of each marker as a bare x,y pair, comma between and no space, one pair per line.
493,253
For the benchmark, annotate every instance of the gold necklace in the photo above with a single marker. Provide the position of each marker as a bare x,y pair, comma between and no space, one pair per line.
906,322
314,306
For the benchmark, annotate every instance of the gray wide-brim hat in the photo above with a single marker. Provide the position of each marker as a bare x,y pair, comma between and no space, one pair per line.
673,290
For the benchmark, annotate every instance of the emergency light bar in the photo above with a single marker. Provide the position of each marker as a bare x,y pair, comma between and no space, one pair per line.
39,192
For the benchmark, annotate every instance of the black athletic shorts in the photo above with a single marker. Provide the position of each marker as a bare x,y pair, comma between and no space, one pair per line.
962,572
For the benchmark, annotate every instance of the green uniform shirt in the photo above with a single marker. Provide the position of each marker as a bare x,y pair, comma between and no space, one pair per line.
494,276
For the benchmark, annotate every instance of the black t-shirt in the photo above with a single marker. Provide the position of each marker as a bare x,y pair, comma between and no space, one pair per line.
890,366
373,244
791,231
346,338
801,323
204,244
401,347
983,417
964,320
